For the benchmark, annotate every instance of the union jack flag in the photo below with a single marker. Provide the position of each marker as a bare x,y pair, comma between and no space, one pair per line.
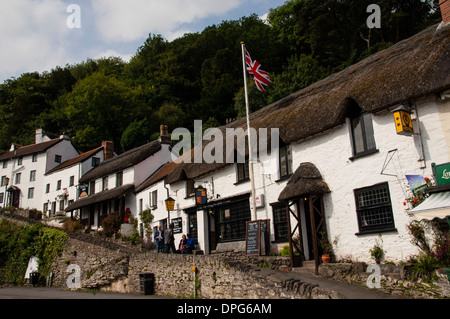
261,77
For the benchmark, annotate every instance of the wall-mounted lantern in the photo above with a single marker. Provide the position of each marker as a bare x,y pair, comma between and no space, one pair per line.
170,204
403,122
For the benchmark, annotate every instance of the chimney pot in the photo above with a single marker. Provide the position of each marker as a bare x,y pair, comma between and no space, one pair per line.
108,150
164,134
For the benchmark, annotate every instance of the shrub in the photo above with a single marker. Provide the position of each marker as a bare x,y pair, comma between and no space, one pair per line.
111,225
424,267
72,225
442,250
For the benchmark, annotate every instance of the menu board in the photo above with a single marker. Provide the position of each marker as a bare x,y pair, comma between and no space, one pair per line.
177,225
257,237
252,238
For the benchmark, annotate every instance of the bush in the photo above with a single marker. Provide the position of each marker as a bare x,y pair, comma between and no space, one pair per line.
72,225
424,267
111,225
442,250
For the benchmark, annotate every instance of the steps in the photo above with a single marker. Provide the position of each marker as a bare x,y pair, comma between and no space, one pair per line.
308,267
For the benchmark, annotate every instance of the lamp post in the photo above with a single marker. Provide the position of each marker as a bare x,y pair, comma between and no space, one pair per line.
6,181
170,204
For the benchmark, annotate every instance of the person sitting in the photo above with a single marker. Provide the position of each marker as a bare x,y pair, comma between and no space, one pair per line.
182,244
190,245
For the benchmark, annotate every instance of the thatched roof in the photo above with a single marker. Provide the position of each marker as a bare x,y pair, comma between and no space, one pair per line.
124,160
409,69
100,197
306,180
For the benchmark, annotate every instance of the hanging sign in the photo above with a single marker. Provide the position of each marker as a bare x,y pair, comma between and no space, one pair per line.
441,173
200,196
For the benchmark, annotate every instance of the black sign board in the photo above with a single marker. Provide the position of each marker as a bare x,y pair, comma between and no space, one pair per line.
177,225
257,237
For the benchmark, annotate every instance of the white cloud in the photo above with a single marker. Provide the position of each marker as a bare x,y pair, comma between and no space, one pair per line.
31,35
119,20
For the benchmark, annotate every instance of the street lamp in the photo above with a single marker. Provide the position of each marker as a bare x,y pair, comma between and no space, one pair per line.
170,204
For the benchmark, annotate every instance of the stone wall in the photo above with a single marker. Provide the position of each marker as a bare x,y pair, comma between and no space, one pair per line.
394,280
225,275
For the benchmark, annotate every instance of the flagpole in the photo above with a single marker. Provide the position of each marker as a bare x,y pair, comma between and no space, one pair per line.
250,152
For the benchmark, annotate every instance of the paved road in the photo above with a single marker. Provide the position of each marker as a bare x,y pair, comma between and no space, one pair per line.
57,293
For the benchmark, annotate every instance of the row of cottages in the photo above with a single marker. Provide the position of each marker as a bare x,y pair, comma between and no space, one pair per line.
45,175
341,162
110,187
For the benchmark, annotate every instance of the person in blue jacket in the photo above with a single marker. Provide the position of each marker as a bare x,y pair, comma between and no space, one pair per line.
190,245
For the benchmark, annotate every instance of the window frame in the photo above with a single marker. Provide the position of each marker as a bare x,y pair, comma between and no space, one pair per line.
365,213
365,132
280,208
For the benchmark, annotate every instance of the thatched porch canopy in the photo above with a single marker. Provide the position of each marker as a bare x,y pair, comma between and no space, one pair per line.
116,192
306,180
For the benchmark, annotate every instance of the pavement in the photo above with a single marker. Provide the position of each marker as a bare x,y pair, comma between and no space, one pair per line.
347,291
59,293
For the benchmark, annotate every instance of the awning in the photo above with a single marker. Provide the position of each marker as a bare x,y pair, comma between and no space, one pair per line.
435,206
100,197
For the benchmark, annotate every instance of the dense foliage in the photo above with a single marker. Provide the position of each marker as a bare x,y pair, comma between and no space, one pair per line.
199,75
19,243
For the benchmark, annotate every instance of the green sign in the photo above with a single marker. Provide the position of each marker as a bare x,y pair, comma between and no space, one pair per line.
441,173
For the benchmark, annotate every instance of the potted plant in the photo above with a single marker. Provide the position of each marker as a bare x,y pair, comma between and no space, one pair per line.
327,248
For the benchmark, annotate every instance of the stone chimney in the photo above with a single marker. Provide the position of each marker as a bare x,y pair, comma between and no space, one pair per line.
40,136
445,10
108,150
164,137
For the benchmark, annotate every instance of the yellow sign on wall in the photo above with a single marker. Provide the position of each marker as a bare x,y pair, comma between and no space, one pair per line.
403,122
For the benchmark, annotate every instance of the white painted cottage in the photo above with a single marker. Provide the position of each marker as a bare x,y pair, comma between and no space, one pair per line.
22,169
342,164
61,183
110,185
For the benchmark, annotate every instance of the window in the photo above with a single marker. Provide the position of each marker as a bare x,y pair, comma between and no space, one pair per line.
243,171
47,188
119,179
190,188
58,185
32,176
104,183
58,158
71,180
1,197
34,158
19,161
363,140
280,221
5,164
154,199
91,187
285,160
373,208
31,192
3,183
95,161
231,220
18,177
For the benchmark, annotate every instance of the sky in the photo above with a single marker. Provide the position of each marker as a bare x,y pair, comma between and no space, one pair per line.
38,35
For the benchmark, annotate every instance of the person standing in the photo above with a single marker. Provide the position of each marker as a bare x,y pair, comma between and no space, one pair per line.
159,239
169,239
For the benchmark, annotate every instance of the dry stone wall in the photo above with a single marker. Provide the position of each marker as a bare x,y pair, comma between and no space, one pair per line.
219,276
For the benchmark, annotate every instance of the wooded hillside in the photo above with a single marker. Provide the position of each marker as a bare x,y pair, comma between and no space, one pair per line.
199,76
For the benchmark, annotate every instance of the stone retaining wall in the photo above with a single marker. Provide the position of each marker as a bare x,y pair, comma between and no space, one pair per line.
394,280
225,275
